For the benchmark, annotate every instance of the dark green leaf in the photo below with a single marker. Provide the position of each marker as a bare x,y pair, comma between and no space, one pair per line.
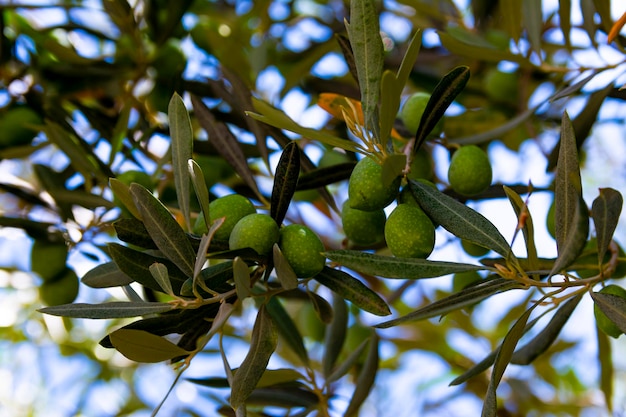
366,378
134,232
284,272
32,228
111,310
136,265
181,134
462,48
605,212
512,17
367,48
287,328
613,306
285,181
544,339
322,307
467,296
122,193
160,275
503,357
448,88
478,368
262,345
142,346
325,176
532,15
105,275
346,50
459,219
225,142
565,20
169,237
392,267
199,185
213,277
353,290
525,221
335,334
241,275
283,396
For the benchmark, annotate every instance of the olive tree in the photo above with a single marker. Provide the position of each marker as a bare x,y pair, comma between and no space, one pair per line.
310,253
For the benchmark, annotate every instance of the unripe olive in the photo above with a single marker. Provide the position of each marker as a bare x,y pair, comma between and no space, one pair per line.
256,231
462,280
303,249
412,112
551,220
604,323
469,172
501,86
15,129
365,187
48,259
409,232
233,207
61,290
363,228
473,249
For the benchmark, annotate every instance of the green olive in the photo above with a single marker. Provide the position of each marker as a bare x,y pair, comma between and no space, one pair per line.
363,228
365,188
256,231
469,172
409,232
61,290
232,207
303,250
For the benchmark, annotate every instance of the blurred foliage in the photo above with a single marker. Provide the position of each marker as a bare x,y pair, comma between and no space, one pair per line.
105,104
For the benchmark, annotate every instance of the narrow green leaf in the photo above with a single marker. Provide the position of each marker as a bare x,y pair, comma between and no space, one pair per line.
110,310
459,219
368,51
467,296
366,378
145,347
353,290
322,307
462,48
133,231
346,365
603,7
605,212
199,185
410,56
241,275
605,359
225,142
322,177
392,267
161,276
496,132
544,339
275,117
390,96
213,277
613,306
512,18
448,88
588,11
284,272
169,237
532,16
105,275
262,345
120,131
285,181
335,335
287,329
565,21
81,198
136,265
283,396
478,368
503,357
181,134
348,56
279,377
521,211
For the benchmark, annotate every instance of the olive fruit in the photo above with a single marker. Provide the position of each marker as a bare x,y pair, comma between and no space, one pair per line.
551,219
469,172
256,231
501,86
302,249
365,187
48,259
363,228
409,232
233,207
412,111
63,289
604,323
15,126
462,280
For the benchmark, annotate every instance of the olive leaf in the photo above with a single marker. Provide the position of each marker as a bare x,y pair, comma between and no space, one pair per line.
335,335
365,380
181,135
241,276
284,272
105,275
199,186
110,310
367,49
605,212
287,329
142,346
393,267
605,359
134,232
459,219
285,181
262,345
161,276
467,296
169,237
525,221
321,177
613,306
353,290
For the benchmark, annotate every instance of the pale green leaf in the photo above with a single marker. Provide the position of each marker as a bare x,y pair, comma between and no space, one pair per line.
105,275
287,329
284,272
145,347
605,212
161,276
241,276
181,134
110,310
199,185
366,378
